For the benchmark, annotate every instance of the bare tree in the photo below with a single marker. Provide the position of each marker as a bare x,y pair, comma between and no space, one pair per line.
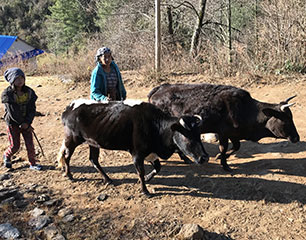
256,27
229,16
198,27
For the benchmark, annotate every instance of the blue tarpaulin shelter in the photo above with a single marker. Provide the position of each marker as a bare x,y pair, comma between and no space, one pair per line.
13,49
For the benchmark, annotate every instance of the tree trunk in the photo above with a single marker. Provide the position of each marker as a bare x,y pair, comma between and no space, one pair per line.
157,36
170,21
256,28
229,32
198,28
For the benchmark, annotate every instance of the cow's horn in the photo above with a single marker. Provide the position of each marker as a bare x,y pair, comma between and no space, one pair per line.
200,119
286,106
198,116
182,122
290,98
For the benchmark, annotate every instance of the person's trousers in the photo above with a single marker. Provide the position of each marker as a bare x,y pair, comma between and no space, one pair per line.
14,133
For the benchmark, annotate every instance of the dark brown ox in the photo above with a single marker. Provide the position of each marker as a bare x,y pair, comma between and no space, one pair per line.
228,111
143,130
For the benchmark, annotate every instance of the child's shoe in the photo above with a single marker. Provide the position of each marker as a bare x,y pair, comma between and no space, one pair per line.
36,167
7,162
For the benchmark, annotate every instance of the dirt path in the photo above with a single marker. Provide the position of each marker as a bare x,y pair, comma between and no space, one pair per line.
264,198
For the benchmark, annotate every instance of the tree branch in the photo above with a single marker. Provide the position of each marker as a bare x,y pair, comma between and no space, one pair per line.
184,4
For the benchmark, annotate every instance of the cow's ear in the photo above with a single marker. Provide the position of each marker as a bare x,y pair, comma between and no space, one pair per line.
269,112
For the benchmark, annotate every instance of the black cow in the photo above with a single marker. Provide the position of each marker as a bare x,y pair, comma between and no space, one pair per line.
143,130
228,111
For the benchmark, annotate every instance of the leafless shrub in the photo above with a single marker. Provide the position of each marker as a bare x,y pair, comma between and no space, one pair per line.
282,35
276,44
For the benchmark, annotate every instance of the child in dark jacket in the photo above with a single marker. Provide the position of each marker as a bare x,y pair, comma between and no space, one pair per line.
19,102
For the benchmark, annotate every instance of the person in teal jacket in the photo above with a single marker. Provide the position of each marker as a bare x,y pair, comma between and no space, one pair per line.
106,82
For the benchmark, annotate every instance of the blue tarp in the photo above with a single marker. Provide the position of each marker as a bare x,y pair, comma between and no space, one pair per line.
6,42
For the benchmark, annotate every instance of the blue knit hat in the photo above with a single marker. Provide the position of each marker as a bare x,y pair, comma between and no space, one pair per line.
12,73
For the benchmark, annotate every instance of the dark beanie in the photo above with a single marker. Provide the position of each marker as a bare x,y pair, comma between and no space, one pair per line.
12,73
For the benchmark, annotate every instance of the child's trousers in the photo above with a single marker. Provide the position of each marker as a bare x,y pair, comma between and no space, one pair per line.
13,133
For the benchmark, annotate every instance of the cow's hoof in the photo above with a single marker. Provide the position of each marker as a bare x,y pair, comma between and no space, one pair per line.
148,177
108,182
67,175
227,168
147,194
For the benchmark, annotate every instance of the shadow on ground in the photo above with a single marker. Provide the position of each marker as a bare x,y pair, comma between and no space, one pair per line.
247,181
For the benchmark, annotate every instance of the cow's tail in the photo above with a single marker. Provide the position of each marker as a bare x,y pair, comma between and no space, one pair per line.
60,156
154,90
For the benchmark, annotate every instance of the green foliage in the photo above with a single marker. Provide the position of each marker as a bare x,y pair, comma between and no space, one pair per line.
65,26
25,19
105,10
243,14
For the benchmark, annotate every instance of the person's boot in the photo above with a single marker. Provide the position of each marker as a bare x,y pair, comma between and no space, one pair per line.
7,162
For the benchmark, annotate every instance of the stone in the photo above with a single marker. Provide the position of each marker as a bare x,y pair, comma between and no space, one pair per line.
21,203
210,137
42,198
51,203
7,231
51,231
8,201
59,237
102,197
31,187
37,212
64,211
5,176
7,193
39,222
68,218
191,232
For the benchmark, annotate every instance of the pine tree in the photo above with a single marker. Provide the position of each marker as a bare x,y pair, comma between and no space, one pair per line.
66,26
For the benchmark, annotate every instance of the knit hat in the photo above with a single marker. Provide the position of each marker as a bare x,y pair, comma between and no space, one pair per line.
102,51
12,73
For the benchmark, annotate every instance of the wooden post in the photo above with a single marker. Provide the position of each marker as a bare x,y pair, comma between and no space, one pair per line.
157,36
